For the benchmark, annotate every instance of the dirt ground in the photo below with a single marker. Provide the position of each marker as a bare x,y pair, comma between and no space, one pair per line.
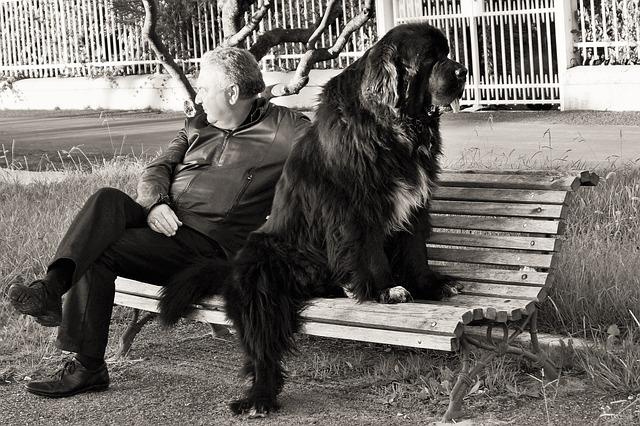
184,376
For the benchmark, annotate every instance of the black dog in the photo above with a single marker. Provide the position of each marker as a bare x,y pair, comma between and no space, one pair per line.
350,210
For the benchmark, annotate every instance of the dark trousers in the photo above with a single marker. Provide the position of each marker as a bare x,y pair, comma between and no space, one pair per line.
110,237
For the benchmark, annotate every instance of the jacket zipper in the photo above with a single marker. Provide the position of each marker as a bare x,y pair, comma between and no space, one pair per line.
186,188
225,142
236,201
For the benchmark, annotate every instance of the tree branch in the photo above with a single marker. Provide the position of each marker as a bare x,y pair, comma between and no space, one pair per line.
161,51
330,13
311,57
274,37
309,36
232,12
241,35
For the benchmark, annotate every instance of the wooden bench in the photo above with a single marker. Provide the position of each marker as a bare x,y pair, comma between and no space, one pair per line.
497,232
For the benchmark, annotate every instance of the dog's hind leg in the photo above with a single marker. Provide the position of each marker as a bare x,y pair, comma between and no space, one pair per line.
267,380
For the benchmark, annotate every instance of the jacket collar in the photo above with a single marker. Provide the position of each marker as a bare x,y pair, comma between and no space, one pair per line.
258,110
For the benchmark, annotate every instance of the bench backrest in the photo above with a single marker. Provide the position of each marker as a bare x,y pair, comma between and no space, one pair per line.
497,232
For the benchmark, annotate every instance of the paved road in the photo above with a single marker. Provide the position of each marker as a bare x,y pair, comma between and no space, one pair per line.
37,135
497,138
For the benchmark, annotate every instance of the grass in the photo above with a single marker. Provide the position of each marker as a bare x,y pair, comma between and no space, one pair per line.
32,221
599,281
598,285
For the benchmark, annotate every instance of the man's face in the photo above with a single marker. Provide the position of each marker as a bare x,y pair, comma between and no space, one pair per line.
214,94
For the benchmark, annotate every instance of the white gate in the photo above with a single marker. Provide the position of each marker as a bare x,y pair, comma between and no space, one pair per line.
508,46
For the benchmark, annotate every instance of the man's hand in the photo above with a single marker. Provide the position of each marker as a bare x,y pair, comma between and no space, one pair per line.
163,220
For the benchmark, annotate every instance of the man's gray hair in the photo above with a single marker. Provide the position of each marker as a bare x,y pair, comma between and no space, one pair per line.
238,65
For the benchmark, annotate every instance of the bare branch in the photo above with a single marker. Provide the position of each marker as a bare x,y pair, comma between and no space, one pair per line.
309,36
161,51
311,57
232,12
241,35
277,36
330,14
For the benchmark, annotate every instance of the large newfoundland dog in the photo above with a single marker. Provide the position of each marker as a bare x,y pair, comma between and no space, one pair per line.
351,208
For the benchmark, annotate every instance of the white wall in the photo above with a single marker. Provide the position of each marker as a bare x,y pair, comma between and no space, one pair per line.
612,88
606,88
156,91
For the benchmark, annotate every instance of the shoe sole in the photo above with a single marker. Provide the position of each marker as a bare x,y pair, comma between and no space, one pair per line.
94,388
47,319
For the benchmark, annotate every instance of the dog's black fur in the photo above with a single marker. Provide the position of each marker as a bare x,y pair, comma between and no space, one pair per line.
350,210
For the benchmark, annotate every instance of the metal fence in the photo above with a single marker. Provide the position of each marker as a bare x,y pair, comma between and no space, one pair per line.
44,38
507,45
511,47
609,32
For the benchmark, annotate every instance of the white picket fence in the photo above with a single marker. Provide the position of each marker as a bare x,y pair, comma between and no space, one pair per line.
516,50
507,46
45,38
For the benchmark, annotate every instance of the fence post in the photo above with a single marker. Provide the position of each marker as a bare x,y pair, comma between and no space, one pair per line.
565,24
471,9
385,16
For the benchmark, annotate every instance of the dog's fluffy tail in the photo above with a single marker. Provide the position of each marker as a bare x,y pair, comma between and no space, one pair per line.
205,277
271,286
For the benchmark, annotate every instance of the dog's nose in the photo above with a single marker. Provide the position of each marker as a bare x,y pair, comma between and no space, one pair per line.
461,73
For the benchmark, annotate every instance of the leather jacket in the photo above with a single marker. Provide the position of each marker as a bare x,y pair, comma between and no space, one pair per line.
222,182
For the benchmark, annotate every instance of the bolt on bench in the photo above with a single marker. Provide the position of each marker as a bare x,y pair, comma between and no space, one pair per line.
498,233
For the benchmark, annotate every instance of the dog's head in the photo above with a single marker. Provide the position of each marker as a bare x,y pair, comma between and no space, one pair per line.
408,72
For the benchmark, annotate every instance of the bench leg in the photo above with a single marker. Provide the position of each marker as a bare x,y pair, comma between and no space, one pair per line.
504,346
460,388
550,370
465,379
131,332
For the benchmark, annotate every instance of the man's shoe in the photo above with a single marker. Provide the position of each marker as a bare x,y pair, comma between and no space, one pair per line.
72,379
33,299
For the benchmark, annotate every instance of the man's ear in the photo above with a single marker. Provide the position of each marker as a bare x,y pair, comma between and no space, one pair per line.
233,93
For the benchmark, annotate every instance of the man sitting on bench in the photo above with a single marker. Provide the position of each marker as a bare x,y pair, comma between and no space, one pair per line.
212,186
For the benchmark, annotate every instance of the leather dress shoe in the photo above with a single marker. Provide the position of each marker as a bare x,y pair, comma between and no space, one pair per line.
72,379
34,299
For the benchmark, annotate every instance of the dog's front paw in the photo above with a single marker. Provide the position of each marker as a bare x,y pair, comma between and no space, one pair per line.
451,289
397,294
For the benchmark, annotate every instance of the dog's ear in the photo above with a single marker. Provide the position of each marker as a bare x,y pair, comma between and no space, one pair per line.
380,80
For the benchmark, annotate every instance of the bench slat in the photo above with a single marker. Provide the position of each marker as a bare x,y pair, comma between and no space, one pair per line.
478,208
531,196
403,316
343,311
494,275
491,257
494,241
399,338
424,340
510,180
533,226
129,286
503,290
